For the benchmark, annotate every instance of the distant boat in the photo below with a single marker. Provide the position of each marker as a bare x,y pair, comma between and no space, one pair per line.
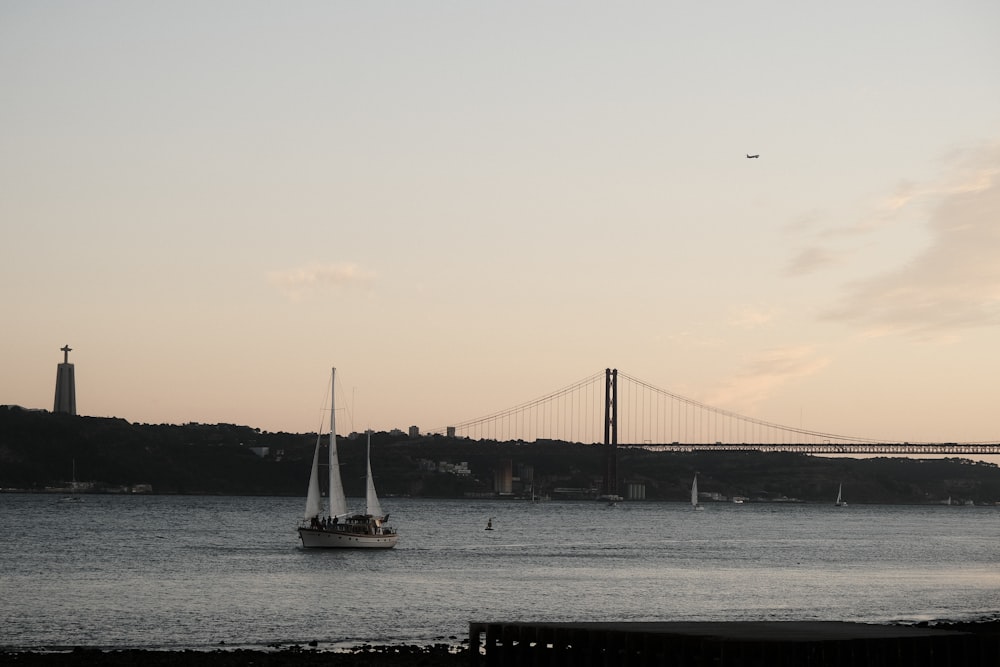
341,529
535,498
489,524
611,499
74,489
694,494
840,499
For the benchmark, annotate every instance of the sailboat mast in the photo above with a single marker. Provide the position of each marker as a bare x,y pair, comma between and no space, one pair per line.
338,503
334,463
372,505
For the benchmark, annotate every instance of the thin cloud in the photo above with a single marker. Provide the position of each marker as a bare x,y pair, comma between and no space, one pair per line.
904,194
751,317
805,223
812,259
298,282
762,376
828,250
692,340
887,211
954,284
818,247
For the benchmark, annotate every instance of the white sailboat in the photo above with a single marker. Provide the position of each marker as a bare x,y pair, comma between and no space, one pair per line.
694,494
340,529
840,499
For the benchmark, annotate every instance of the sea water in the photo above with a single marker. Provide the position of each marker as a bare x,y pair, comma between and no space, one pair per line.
203,572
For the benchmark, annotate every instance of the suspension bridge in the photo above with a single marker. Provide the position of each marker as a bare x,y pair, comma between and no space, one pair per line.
614,408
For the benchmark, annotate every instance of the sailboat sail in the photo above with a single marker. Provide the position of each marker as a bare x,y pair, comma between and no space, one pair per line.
313,502
840,501
694,491
372,506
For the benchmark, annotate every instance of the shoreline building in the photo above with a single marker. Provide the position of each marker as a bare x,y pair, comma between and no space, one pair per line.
65,385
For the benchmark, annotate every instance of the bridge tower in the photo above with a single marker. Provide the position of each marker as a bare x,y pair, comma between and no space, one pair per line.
65,385
610,432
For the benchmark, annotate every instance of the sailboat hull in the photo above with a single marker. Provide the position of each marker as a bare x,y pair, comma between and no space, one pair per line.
315,538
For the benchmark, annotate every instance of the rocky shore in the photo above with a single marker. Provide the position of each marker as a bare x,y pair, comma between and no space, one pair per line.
438,655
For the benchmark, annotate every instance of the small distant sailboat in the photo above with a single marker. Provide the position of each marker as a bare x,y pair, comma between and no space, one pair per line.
340,529
840,496
694,494
489,524
74,489
536,498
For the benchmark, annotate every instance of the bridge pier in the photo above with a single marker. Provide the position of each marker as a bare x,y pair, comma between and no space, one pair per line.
610,483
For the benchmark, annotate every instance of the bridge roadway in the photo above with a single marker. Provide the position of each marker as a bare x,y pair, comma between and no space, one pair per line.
941,448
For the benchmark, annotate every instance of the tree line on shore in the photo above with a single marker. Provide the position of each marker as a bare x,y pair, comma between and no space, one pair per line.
40,450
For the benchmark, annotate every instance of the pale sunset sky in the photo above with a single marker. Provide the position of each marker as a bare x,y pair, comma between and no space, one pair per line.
467,205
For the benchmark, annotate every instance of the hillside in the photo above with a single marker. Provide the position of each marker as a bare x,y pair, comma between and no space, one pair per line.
38,451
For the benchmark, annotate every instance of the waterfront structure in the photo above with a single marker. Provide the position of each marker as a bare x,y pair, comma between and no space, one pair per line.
635,490
65,385
726,644
503,478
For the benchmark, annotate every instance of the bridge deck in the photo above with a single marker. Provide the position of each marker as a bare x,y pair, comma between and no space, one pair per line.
922,449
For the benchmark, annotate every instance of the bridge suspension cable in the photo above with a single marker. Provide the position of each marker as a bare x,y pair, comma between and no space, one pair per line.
695,421
650,416
573,413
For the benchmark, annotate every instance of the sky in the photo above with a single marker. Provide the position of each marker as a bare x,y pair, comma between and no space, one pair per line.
464,206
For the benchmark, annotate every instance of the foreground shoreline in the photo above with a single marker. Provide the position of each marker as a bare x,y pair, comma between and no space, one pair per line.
438,655
434,655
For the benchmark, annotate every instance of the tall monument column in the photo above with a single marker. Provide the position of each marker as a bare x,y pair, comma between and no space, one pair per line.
65,385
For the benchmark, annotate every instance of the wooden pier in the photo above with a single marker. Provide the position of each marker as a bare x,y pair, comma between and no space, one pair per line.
731,644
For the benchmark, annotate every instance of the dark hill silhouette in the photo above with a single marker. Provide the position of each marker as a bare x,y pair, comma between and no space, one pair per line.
38,450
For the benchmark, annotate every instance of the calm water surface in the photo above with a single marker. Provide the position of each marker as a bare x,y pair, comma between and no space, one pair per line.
191,572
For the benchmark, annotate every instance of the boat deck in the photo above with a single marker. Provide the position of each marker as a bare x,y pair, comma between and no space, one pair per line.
732,644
